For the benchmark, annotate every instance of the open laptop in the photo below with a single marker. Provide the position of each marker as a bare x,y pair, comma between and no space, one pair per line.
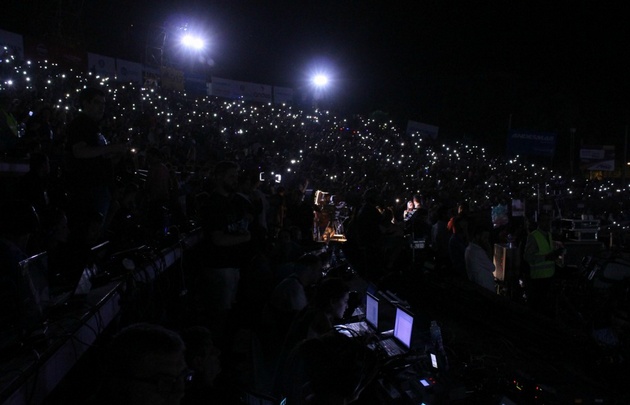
400,342
371,311
81,288
35,272
33,292
370,324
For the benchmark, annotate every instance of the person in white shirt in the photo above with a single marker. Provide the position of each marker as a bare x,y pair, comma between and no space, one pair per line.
479,266
290,294
288,298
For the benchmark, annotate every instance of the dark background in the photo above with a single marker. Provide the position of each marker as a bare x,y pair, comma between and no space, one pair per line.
471,68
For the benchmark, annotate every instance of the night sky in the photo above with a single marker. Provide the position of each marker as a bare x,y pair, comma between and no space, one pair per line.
464,66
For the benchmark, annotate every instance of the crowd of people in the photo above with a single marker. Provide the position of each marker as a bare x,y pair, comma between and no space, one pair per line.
130,163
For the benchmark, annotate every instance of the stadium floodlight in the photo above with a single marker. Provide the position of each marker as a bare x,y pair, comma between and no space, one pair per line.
193,42
320,80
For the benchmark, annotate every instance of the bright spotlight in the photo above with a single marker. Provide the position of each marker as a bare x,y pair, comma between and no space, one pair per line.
320,80
193,42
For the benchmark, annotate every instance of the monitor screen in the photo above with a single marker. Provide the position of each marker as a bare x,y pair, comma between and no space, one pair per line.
403,326
35,270
372,288
34,292
371,310
98,253
84,284
434,362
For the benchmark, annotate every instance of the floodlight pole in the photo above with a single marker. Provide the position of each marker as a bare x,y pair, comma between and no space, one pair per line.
154,50
572,152
625,157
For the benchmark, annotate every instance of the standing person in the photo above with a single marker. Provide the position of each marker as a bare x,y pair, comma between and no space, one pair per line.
418,223
253,203
300,214
457,245
40,131
89,158
33,186
440,237
541,255
411,208
226,228
158,184
277,211
463,210
8,125
364,236
157,191
392,238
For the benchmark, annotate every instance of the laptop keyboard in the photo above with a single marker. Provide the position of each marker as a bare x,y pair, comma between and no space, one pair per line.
59,299
390,347
359,328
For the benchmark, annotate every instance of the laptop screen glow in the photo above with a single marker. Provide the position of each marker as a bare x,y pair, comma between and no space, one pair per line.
35,270
371,310
403,326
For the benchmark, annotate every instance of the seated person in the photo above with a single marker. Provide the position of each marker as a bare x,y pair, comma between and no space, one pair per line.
144,365
479,265
290,295
317,319
287,300
332,369
328,307
202,357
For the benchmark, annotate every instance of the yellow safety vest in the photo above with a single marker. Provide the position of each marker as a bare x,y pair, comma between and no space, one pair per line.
546,268
11,122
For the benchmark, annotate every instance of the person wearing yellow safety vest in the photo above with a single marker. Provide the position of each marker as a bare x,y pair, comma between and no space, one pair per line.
541,255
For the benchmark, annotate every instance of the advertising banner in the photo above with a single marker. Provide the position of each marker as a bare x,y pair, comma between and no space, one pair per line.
101,65
48,49
600,157
282,95
222,87
241,90
531,143
257,92
13,41
172,79
128,72
414,127
195,84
